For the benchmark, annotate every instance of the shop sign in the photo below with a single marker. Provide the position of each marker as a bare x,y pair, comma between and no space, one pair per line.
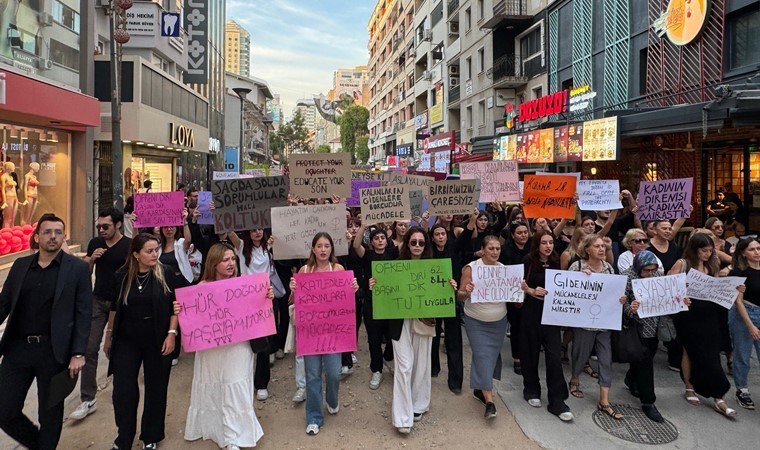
581,98
439,142
544,106
181,135
509,115
683,21
436,113
196,26
141,19
231,159
214,145
421,121
404,150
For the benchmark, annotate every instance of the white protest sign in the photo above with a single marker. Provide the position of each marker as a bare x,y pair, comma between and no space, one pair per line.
587,301
717,290
599,195
294,227
660,296
498,179
497,283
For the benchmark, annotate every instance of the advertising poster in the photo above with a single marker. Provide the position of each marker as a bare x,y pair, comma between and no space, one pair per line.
560,144
521,148
575,142
546,146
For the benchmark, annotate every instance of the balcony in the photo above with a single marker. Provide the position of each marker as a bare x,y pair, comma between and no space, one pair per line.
452,51
453,94
533,66
453,6
508,12
507,72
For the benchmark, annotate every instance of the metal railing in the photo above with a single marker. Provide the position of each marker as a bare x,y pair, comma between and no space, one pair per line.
507,66
510,8
454,94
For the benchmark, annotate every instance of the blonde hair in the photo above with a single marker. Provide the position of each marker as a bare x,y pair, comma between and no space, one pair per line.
575,241
213,258
132,266
631,235
587,242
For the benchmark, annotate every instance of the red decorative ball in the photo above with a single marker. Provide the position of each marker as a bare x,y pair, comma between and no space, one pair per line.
16,244
17,232
27,229
6,234
4,250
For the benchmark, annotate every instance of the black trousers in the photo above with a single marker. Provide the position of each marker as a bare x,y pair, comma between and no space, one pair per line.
377,330
532,337
282,319
136,346
641,374
345,357
262,371
452,327
22,364
514,316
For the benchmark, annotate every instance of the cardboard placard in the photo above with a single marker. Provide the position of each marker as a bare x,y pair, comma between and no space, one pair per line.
356,187
412,289
453,197
587,301
549,196
719,290
599,195
382,177
294,227
665,199
159,209
413,181
225,312
320,175
245,204
497,283
416,197
498,179
660,296
204,208
385,204
325,313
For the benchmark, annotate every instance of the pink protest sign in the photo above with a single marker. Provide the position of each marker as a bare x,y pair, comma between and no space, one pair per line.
325,313
225,312
159,209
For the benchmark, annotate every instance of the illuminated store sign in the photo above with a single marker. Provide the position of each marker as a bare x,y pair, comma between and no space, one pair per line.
683,21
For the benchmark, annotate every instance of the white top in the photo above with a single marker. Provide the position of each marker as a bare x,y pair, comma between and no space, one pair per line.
484,312
259,260
625,261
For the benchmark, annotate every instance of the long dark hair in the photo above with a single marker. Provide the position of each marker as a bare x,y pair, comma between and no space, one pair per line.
162,237
534,253
312,261
691,253
131,266
740,261
248,244
449,234
427,252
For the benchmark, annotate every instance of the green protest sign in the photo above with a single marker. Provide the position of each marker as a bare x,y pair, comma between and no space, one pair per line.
412,289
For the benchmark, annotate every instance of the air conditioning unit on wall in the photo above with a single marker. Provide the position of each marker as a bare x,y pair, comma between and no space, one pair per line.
453,81
453,70
453,28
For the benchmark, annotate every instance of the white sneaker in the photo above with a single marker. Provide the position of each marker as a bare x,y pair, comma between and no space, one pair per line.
566,416
346,371
404,430
377,378
175,361
535,402
333,411
279,354
262,394
312,429
300,395
83,410
232,447
354,361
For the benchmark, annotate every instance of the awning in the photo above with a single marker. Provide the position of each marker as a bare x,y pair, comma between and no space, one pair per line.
36,102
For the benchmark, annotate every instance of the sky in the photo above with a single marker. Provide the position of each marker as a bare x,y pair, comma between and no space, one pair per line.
296,45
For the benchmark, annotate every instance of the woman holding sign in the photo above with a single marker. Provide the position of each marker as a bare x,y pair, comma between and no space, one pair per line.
321,259
535,335
593,252
221,397
486,326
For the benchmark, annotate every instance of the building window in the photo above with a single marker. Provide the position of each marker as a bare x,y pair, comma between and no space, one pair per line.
744,35
64,55
530,44
468,117
467,19
482,112
481,60
538,92
66,16
468,67
481,10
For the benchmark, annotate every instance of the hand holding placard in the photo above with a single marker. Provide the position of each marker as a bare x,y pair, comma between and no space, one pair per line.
497,283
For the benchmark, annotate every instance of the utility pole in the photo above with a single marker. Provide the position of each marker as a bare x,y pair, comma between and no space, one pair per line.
119,35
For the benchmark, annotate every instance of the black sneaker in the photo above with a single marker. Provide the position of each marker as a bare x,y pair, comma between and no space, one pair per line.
478,394
651,411
517,367
490,410
744,400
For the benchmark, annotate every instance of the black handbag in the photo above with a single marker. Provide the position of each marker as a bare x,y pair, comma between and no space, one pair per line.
626,344
259,345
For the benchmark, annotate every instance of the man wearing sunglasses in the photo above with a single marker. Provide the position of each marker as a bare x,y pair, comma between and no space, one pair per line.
106,253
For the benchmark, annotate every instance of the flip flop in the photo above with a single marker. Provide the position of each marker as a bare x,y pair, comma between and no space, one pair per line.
692,399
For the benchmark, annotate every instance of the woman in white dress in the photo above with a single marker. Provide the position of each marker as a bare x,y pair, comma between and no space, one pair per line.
221,398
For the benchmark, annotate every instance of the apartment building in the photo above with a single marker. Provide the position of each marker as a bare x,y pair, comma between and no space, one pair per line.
237,50
351,82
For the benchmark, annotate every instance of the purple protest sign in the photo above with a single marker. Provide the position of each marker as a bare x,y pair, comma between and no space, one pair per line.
325,313
665,199
356,187
204,202
225,312
159,209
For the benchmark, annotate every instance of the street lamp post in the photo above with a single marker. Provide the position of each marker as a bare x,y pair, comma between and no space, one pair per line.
242,93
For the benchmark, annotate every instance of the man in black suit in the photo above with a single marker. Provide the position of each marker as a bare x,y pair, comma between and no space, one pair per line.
48,299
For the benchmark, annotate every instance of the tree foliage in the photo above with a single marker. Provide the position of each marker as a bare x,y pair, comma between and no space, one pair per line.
362,149
294,135
353,124
323,148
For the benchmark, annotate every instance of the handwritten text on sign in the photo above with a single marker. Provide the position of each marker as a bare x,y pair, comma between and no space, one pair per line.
660,296
453,197
599,195
204,208
497,283
320,175
225,312
412,289
356,190
245,204
579,300
549,196
720,290
498,179
325,313
385,204
414,181
159,209
294,227
666,199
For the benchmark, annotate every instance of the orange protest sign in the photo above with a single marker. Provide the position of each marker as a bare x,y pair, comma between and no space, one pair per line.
549,196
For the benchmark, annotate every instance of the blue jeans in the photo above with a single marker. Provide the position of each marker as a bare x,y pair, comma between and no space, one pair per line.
743,342
314,363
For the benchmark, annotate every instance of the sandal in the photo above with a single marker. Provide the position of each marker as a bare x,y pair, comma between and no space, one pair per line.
609,410
590,372
719,406
574,389
692,399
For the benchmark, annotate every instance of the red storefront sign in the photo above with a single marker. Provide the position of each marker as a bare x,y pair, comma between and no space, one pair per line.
544,106
439,142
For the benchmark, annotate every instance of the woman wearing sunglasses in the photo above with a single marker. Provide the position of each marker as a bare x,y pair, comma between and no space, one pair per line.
635,240
411,347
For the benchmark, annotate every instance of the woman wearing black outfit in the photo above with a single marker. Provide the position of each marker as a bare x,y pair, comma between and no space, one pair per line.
516,247
534,335
142,331
470,241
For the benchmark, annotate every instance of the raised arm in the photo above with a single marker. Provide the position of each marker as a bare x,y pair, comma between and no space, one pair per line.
357,242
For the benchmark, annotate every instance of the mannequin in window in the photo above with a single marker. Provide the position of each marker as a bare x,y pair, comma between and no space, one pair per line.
30,192
9,196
